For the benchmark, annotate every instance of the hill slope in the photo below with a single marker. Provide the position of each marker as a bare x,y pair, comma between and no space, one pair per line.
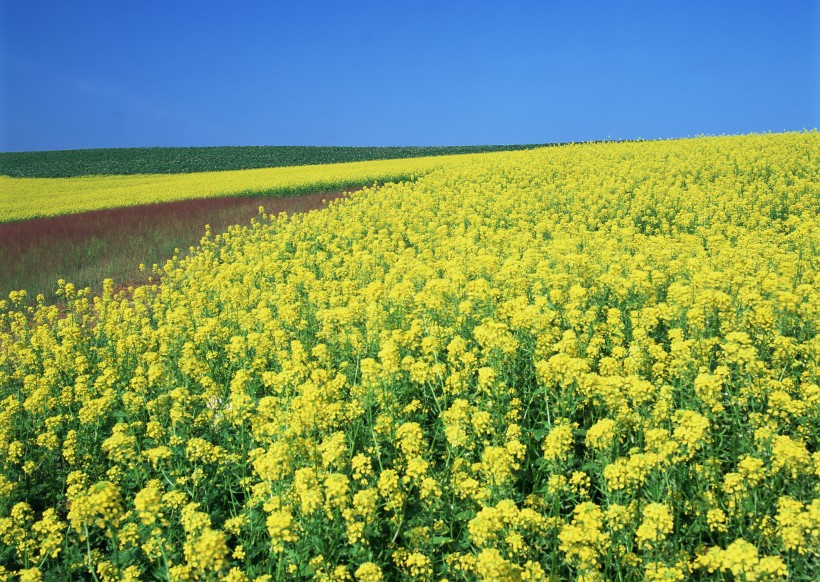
598,361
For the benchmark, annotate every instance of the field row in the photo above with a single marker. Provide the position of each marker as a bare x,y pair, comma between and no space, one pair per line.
180,160
26,198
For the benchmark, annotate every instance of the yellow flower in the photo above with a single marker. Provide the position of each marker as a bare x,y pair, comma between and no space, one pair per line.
337,488
121,447
49,533
656,525
236,575
790,455
410,439
490,566
691,431
418,566
307,489
208,551
656,571
498,465
582,540
148,502
362,468
333,448
281,529
716,519
234,525
383,373
30,575
369,572
557,444
100,505
157,454
601,435
798,525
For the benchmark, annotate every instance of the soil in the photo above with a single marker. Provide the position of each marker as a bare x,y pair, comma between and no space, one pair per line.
98,223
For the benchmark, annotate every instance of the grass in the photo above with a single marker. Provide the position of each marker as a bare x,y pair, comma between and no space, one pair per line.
87,248
70,163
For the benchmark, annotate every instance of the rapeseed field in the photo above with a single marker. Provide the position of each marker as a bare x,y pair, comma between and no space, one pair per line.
26,198
593,362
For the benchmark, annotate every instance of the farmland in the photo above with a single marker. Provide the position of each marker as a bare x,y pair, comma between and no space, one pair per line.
28,198
124,161
123,220
89,247
595,361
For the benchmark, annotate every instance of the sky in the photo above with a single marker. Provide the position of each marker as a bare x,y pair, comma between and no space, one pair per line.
127,73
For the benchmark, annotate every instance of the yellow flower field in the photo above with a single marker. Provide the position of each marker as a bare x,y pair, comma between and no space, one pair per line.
592,362
25,198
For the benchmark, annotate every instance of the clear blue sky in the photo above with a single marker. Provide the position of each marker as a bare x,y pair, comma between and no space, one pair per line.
119,73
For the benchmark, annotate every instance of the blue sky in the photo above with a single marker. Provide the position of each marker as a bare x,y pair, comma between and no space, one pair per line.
81,74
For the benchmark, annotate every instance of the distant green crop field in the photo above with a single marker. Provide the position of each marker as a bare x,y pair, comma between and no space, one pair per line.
69,163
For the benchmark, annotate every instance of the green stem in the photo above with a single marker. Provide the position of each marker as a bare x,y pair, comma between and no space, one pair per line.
88,554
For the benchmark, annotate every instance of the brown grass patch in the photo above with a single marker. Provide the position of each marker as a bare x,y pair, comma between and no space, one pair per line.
88,247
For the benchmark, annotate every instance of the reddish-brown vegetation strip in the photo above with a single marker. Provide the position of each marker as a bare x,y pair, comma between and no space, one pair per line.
88,247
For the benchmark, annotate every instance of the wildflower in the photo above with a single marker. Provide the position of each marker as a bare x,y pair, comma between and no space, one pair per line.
234,525
790,455
148,502
100,505
333,449
580,483
498,465
491,566
656,525
306,487
716,519
558,443
601,435
456,421
582,540
798,525
157,454
236,575
208,551
121,447
274,463
49,533
656,571
691,431
618,517
362,468
418,566
410,439
369,572
430,489
389,489
337,487
281,529
30,575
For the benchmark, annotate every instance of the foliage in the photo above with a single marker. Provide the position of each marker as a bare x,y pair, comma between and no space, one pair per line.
591,362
